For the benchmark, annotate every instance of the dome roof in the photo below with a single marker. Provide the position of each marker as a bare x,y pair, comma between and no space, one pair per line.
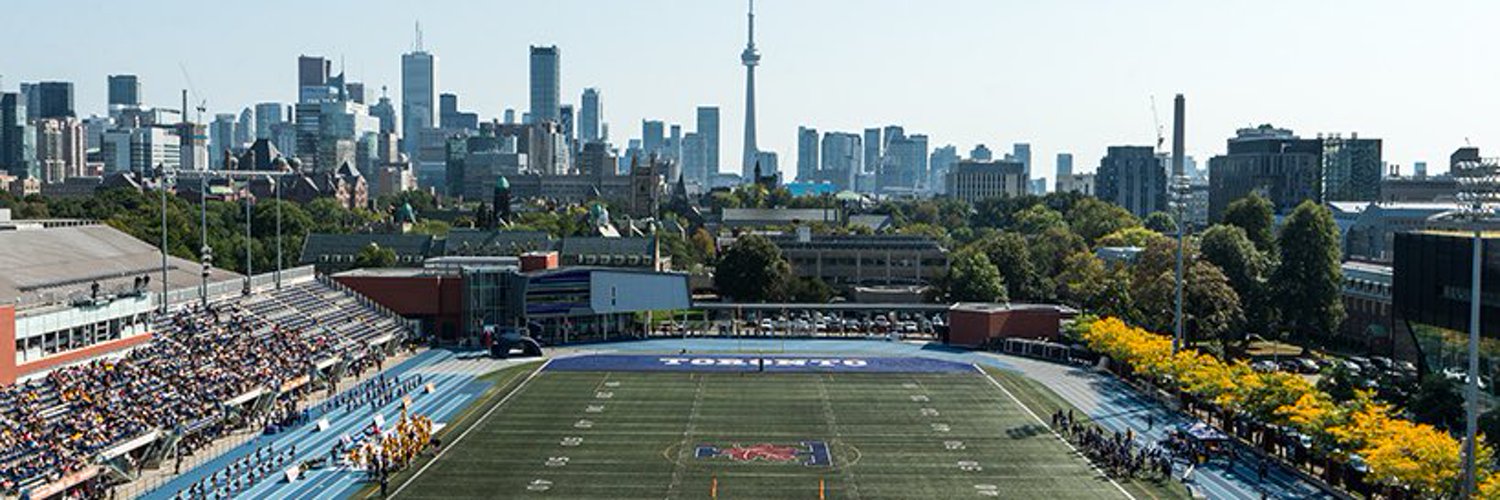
502,183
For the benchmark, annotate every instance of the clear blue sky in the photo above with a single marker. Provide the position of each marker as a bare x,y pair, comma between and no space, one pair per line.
1063,75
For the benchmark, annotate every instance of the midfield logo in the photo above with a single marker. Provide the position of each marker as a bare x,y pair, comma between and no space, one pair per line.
808,453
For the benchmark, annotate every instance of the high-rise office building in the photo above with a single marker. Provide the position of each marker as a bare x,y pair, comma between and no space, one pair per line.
59,148
589,116
692,159
385,111
141,150
1419,169
939,163
221,138
1273,162
653,136
314,75
708,133
244,130
842,159
54,100
267,115
451,118
1352,168
1021,152
873,149
973,180
124,92
567,117
1064,164
418,95
981,153
546,84
1132,177
807,154
15,157
903,168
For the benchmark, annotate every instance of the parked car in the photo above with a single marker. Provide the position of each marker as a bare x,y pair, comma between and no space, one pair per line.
1264,366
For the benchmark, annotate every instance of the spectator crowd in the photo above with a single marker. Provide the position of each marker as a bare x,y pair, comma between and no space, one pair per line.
180,381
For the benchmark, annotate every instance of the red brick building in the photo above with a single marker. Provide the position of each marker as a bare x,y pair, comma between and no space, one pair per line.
976,324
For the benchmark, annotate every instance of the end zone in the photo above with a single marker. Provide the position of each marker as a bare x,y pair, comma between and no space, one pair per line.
753,363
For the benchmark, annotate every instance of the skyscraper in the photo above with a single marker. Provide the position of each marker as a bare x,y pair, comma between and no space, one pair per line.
981,153
567,117
244,130
59,148
385,111
940,163
55,100
313,74
872,149
1021,152
546,81
807,154
1351,168
589,116
220,138
124,92
1134,178
1274,162
653,135
418,95
842,157
1064,164
267,115
13,137
708,133
750,58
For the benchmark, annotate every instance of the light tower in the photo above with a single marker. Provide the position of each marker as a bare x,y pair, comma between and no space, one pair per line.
750,58
1181,194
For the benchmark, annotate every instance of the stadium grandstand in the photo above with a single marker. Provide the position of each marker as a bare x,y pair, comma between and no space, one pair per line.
98,385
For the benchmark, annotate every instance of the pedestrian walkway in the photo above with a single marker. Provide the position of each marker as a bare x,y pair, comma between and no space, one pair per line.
453,377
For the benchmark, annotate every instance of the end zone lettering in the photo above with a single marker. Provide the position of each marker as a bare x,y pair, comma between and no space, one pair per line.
770,362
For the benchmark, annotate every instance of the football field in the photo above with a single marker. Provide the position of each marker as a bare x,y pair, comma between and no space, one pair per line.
725,427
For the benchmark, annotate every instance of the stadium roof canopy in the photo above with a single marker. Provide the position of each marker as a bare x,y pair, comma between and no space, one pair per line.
51,265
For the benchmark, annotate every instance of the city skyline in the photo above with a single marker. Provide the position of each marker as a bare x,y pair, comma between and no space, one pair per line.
1082,88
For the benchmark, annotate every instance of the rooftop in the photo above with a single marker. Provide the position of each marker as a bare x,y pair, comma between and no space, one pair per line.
51,264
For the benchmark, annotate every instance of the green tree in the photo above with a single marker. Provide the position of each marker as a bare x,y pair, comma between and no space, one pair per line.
373,255
1135,236
1161,222
811,290
753,270
1050,248
1437,402
1087,283
1210,308
972,278
703,244
1093,219
1232,251
1254,214
1308,279
1037,219
1011,255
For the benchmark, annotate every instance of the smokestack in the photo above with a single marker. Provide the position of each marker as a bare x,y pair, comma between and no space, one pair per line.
1179,120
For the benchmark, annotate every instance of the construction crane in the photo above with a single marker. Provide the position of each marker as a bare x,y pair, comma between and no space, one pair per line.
1161,136
202,101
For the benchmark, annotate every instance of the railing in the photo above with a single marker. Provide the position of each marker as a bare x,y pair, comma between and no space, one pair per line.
409,325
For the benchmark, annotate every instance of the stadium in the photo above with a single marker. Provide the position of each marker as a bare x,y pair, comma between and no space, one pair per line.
293,384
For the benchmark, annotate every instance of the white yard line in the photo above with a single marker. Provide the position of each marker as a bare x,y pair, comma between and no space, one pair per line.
465,433
1059,437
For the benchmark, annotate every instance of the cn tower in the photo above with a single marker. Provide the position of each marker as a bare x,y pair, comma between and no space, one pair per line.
751,58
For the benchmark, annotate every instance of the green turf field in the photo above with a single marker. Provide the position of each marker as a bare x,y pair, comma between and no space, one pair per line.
636,435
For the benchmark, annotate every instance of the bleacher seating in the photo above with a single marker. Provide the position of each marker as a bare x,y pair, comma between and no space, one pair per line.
197,360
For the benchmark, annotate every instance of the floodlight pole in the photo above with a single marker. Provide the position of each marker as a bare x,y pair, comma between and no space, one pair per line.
1471,416
161,186
1479,189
